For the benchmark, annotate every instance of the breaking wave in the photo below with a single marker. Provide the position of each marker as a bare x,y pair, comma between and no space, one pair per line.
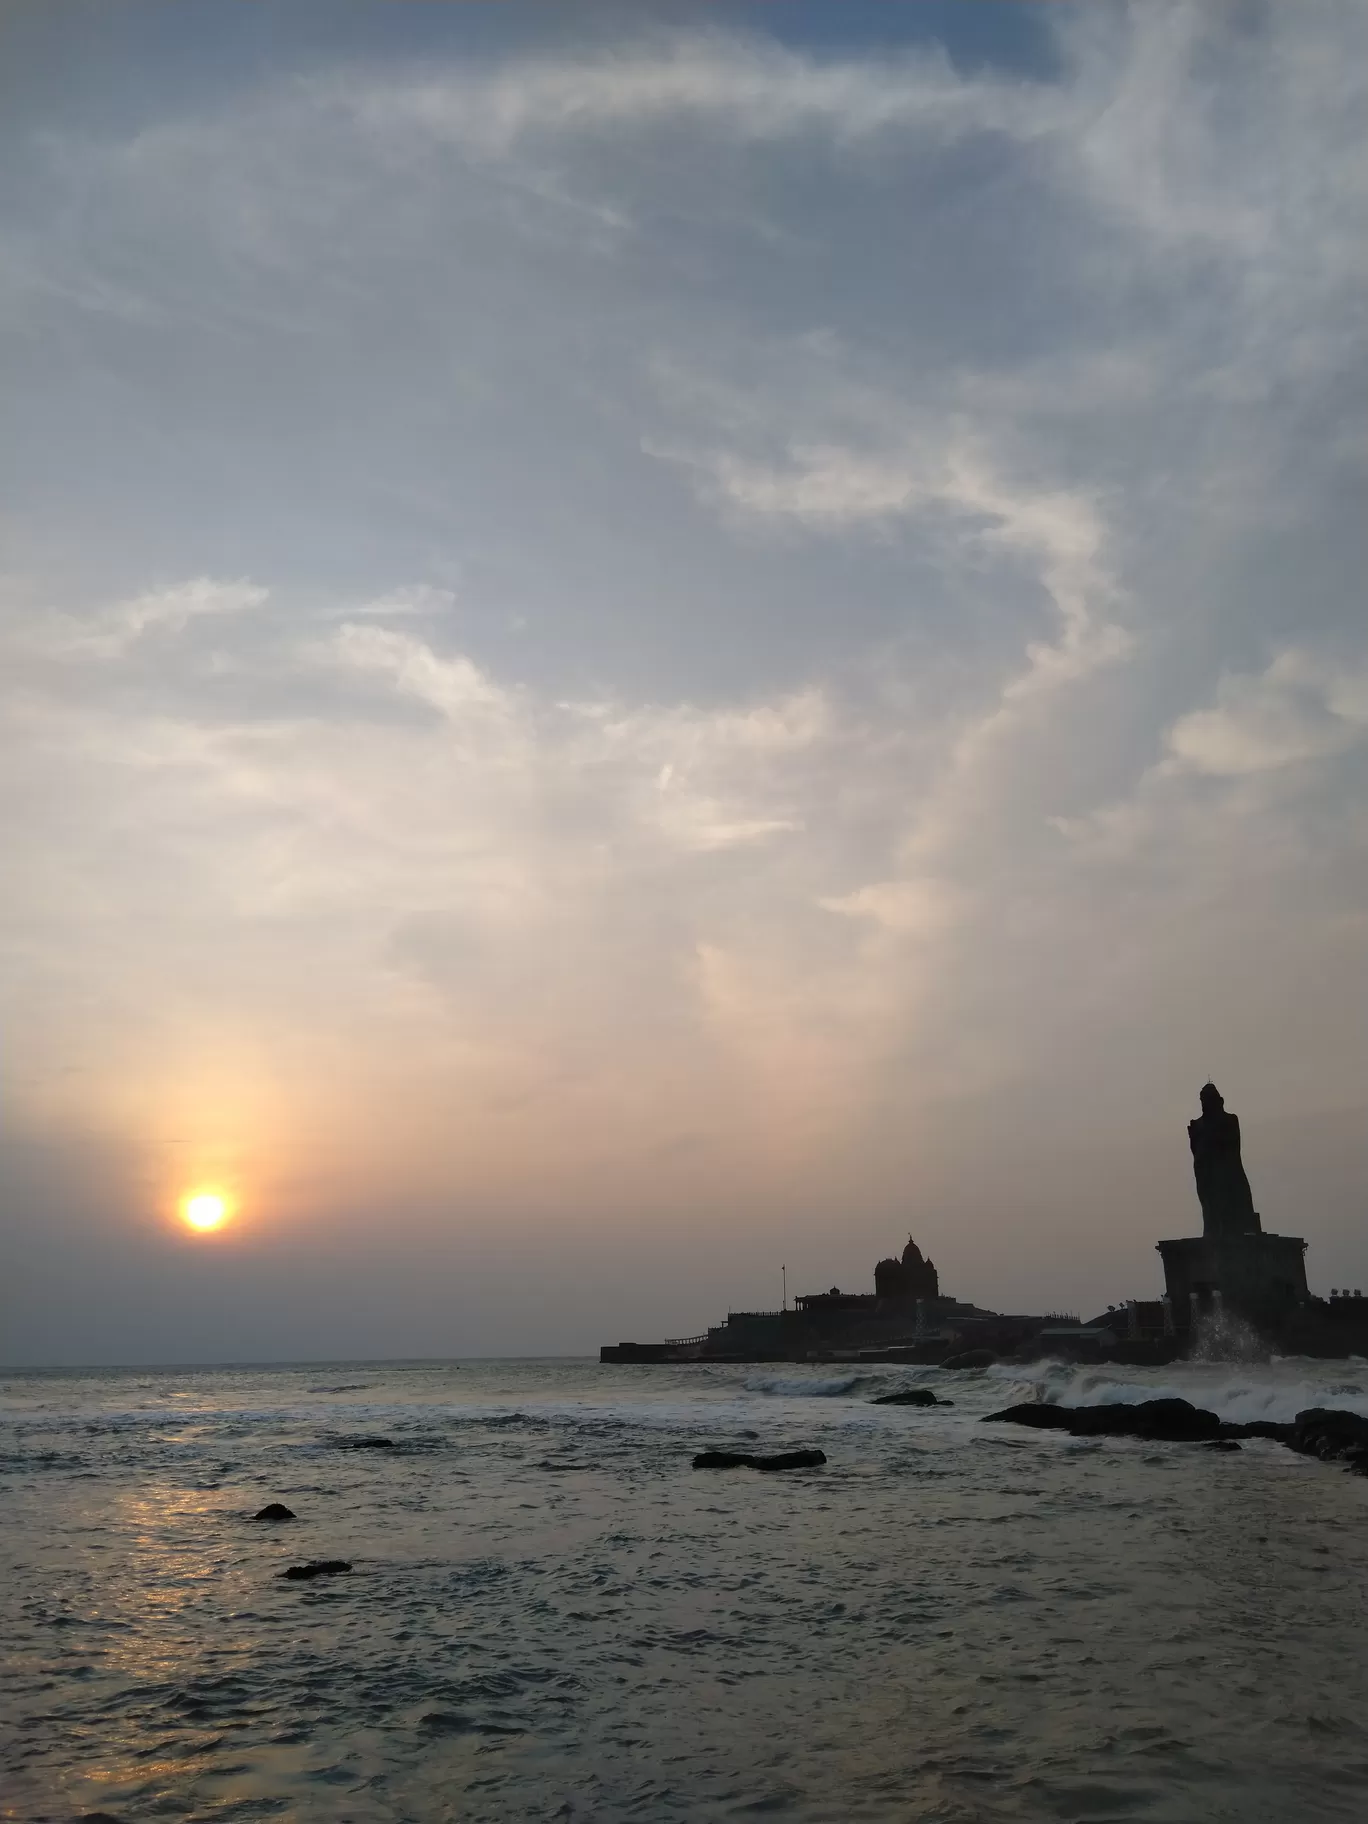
808,1387
1277,1390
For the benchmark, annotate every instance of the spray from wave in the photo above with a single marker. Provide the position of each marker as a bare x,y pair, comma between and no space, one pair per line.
1224,1336
1241,1392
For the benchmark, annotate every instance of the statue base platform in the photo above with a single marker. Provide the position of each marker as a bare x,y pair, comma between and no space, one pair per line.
1261,1277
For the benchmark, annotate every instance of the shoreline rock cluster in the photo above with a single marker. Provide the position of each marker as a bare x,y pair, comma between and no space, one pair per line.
1327,1433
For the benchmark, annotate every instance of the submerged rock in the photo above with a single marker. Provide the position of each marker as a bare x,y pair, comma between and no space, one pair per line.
367,1444
970,1358
276,1510
740,1459
1221,1444
319,1567
908,1396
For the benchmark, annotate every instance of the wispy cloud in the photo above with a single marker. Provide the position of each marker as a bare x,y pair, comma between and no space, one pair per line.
747,87
110,632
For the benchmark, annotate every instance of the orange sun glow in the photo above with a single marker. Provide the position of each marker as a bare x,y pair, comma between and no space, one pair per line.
205,1210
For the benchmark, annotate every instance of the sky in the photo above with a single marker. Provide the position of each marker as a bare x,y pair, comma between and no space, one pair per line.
641,644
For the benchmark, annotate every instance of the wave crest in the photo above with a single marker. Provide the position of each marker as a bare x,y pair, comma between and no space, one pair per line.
806,1387
1277,1390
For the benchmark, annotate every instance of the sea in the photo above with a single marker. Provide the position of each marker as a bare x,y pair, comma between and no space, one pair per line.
551,1615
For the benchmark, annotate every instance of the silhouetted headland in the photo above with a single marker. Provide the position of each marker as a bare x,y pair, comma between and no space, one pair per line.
1232,1286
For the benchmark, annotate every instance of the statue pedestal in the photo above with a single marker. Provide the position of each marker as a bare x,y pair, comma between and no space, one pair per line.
1262,1277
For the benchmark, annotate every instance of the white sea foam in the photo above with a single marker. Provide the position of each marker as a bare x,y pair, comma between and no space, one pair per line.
1276,1390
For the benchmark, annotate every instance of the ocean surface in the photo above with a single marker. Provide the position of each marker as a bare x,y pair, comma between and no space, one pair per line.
551,1615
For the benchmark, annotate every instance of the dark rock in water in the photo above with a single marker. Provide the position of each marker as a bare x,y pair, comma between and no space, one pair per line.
970,1358
320,1567
1176,1421
739,1459
275,1510
1156,1421
367,1444
908,1396
1260,1428
1325,1432
1331,1434
1333,1421
1104,1422
1038,1415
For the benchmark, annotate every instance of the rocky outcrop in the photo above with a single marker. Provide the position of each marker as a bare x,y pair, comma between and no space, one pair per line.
1332,1435
739,1459
1168,1421
907,1396
1328,1433
318,1567
275,1510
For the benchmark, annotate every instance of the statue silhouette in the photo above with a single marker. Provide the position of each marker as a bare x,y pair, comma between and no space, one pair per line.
1222,1187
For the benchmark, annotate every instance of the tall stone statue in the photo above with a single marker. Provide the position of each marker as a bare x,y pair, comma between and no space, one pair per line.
1232,1265
1222,1187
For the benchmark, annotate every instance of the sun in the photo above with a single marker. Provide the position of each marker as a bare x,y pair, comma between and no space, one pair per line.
205,1210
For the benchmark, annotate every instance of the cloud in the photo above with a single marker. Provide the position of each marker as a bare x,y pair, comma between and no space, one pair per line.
453,686
749,88
911,908
1059,531
1300,708
111,632
416,601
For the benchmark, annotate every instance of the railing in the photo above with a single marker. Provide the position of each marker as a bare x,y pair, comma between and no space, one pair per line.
732,1314
685,1342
